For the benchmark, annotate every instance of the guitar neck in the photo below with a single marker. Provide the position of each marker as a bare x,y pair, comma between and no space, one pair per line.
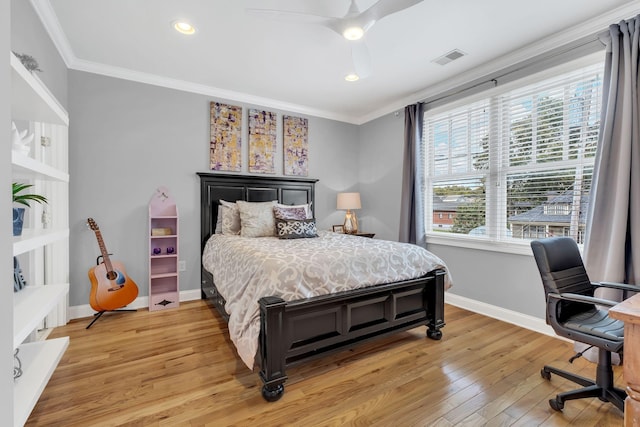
103,251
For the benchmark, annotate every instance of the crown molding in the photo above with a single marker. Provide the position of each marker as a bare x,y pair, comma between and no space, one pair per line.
47,15
185,86
591,27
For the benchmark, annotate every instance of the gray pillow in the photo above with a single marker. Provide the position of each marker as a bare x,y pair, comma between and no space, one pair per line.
256,218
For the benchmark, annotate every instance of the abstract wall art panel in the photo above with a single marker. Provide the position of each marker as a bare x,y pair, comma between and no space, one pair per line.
262,141
225,150
296,146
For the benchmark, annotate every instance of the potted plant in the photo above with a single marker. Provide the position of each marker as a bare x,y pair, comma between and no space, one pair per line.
23,199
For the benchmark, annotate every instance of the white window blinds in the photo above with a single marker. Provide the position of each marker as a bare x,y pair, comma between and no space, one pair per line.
516,164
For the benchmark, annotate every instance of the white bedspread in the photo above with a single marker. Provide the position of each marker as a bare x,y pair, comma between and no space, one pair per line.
246,269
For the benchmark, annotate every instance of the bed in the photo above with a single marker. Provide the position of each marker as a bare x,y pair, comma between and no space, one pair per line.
294,331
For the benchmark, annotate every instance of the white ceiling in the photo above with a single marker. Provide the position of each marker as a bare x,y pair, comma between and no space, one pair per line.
300,67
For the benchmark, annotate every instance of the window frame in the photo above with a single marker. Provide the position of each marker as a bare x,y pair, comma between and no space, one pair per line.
493,181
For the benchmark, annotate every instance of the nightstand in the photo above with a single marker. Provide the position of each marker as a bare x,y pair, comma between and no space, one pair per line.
363,234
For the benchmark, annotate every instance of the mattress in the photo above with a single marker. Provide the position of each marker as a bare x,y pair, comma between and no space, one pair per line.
246,269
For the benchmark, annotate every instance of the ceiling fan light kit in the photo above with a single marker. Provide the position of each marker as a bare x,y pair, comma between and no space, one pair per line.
352,26
353,33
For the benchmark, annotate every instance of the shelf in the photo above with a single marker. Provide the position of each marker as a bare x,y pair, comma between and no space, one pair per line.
28,168
30,98
163,266
39,360
163,275
31,305
31,101
35,238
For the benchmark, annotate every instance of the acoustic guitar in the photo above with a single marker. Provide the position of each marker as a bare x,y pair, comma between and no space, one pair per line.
111,288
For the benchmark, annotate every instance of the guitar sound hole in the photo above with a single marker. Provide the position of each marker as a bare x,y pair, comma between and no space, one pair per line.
111,275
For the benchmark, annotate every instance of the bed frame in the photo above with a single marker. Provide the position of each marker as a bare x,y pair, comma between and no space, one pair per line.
295,331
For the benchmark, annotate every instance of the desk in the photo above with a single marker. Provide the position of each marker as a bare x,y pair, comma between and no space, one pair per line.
629,312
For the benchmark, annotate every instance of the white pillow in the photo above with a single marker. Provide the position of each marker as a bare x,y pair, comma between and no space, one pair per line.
307,208
230,217
256,218
218,229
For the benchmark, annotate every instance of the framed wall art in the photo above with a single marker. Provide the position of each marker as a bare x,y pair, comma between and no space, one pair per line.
296,146
262,141
225,149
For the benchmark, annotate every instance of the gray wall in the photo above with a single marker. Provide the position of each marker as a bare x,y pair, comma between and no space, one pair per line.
381,151
128,138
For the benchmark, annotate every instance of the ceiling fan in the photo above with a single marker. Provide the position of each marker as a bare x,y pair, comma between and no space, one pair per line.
351,26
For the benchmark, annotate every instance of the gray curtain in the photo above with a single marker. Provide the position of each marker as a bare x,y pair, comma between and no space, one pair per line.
411,204
612,245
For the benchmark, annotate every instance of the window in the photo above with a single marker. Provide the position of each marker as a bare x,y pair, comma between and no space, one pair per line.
516,163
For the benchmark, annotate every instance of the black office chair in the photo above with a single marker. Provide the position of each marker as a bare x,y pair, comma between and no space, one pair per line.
573,312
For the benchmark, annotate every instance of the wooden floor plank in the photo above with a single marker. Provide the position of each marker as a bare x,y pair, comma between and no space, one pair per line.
178,367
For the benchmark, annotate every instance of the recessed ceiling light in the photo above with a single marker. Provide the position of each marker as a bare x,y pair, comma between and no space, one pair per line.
353,33
352,77
183,27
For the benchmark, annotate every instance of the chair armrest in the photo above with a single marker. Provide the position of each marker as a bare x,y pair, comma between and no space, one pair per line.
585,299
613,285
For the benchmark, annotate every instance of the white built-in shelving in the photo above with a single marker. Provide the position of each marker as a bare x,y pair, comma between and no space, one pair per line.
32,102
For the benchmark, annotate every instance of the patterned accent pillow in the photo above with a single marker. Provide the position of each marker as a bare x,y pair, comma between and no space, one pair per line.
230,218
280,212
296,228
306,206
256,218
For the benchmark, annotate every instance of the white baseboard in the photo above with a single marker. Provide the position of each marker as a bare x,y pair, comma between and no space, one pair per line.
85,310
523,320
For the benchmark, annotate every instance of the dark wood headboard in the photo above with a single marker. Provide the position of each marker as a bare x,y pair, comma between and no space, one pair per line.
251,188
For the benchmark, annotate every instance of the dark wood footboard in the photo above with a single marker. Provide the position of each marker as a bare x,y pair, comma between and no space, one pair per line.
296,331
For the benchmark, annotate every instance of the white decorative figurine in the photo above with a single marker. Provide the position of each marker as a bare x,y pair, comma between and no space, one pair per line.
21,142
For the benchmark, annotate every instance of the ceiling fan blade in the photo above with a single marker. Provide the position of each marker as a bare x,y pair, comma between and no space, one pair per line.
382,9
288,16
361,58
298,18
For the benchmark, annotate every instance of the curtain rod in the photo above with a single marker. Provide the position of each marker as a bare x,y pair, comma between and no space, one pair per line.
565,53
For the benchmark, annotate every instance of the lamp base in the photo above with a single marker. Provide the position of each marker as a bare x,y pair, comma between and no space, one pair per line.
350,223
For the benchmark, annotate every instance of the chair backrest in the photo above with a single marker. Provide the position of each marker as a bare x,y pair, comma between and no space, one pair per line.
561,269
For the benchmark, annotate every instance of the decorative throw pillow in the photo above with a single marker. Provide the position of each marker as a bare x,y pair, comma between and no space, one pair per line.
307,208
230,217
296,228
256,218
280,212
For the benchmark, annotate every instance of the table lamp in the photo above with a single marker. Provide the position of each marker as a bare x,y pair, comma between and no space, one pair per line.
349,201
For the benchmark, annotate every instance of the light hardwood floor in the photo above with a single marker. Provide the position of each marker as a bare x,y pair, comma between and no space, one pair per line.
178,367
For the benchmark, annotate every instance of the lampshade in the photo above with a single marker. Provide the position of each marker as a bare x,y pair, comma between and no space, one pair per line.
348,201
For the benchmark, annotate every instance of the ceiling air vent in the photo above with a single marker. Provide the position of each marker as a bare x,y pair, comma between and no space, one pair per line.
450,56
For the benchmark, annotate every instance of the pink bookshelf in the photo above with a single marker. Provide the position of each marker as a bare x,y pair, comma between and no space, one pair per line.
164,289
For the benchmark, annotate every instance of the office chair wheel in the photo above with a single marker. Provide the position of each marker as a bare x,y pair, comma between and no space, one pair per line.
556,405
545,374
